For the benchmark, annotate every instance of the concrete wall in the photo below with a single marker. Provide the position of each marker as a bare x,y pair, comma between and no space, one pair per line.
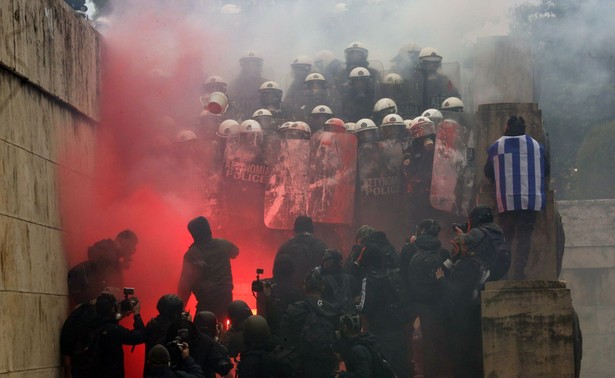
49,106
589,272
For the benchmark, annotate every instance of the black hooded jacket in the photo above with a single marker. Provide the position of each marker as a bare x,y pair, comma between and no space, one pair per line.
306,253
206,268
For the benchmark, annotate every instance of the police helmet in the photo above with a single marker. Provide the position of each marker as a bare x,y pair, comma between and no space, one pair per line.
385,104
302,61
452,104
365,124
262,113
350,127
185,136
228,128
359,73
315,77
322,109
250,126
392,79
392,120
429,54
335,124
434,115
251,56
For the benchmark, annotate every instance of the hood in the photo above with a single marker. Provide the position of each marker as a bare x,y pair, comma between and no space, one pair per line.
199,229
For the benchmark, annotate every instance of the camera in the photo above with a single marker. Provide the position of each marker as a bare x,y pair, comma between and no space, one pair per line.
176,346
462,226
128,302
258,286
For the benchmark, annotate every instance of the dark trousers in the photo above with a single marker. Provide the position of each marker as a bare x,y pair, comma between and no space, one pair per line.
518,224
394,346
434,339
216,303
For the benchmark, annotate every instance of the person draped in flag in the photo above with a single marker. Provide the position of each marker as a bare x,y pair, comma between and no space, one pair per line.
519,166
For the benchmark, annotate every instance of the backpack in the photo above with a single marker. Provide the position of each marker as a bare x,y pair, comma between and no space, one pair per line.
317,335
423,285
381,368
397,297
499,258
342,292
85,358
278,362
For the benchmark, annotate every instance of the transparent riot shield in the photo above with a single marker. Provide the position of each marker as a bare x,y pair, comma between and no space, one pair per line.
449,163
380,184
286,191
332,174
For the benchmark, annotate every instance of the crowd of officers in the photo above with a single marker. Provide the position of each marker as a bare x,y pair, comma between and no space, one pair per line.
319,315
324,87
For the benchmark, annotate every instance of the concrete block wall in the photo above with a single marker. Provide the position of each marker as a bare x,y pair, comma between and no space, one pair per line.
49,107
589,271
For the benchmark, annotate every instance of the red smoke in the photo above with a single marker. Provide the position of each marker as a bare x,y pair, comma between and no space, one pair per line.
153,66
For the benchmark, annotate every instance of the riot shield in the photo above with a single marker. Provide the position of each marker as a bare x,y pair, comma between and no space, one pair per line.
285,195
245,176
332,175
210,155
448,167
469,176
380,194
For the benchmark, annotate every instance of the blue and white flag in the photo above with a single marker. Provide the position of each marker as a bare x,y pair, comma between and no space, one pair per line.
519,166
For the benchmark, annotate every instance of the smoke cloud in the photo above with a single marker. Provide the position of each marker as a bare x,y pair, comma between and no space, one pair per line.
156,57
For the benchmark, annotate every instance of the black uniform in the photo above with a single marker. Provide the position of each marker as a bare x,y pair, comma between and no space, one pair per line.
211,356
306,253
341,288
358,357
421,259
206,270
320,362
386,313
189,369
460,292
88,279
244,92
283,293
112,338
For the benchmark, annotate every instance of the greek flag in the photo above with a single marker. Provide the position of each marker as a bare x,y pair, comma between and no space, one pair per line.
519,164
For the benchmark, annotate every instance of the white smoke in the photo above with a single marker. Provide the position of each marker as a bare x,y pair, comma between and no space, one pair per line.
280,31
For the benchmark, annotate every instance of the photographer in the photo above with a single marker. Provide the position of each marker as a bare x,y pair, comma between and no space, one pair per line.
274,295
421,259
359,351
158,360
103,355
160,330
208,352
461,303
238,311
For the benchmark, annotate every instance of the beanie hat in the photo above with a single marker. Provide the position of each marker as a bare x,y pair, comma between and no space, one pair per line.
515,126
158,356
363,232
303,223
480,214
